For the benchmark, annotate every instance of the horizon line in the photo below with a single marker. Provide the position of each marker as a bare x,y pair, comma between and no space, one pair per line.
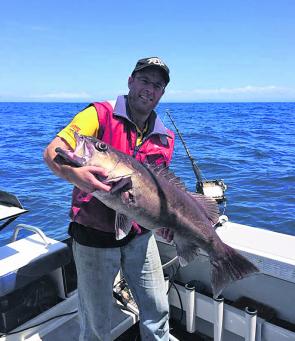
162,102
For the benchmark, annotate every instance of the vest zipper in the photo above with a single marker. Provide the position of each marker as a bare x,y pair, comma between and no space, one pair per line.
136,148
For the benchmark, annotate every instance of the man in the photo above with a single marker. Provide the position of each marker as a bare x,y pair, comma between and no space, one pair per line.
132,126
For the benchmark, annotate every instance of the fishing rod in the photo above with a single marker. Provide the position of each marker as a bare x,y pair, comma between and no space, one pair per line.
211,188
196,169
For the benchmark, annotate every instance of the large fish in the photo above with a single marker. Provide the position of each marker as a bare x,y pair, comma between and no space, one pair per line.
153,197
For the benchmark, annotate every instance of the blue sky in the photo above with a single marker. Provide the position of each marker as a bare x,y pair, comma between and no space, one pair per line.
79,51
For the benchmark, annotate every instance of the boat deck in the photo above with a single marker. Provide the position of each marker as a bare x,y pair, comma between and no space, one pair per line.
71,330
270,293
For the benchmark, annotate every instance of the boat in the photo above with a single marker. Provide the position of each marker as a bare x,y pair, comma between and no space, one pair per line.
38,288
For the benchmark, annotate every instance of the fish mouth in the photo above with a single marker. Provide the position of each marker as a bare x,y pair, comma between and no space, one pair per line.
67,157
80,156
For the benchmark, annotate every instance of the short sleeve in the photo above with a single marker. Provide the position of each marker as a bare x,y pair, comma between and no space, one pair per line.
85,123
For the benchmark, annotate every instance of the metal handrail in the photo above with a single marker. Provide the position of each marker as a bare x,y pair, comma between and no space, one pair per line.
30,228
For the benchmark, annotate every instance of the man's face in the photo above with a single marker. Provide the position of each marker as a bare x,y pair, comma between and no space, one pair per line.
146,87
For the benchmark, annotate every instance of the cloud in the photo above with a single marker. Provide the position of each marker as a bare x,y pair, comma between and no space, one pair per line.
38,28
247,93
64,95
59,96
232,91
50,97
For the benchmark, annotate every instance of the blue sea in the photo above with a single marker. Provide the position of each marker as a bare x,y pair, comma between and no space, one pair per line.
251,146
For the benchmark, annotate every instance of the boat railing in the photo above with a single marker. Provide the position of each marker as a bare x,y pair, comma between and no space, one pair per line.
29,228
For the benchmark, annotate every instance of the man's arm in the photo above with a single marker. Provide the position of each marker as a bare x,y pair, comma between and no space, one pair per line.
84,178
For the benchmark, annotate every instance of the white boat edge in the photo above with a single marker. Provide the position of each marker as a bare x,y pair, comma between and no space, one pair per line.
272,252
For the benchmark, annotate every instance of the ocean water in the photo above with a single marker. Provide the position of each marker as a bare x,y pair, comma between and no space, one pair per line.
251,146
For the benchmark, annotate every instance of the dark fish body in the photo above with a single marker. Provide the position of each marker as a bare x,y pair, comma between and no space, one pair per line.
154,198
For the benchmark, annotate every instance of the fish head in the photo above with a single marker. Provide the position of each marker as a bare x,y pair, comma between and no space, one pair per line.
90,151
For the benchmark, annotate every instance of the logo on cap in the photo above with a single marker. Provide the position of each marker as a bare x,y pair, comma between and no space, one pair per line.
155,61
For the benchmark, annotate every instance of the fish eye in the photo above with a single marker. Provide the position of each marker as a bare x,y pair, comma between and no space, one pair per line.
101,146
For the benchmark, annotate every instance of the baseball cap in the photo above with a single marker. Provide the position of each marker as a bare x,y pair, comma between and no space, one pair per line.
153,61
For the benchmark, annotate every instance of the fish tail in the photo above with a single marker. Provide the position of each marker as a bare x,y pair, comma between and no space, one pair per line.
229,268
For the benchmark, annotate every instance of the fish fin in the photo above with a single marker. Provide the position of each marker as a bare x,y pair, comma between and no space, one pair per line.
160,170
122,226
186,249
230,267
123,185
208,205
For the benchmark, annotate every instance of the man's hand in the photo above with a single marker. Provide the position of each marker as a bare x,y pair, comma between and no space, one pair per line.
165,234
86,178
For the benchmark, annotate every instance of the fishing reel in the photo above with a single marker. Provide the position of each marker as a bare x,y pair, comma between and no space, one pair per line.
213,189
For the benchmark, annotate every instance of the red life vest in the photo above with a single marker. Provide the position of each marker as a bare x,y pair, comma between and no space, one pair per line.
120,132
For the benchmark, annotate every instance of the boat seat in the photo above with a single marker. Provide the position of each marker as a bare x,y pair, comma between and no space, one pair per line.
27,259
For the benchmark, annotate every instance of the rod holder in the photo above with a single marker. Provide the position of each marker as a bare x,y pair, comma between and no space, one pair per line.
166,278
190,294
218,317
251,319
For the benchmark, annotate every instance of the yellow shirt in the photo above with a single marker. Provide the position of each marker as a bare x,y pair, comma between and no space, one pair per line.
86,123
